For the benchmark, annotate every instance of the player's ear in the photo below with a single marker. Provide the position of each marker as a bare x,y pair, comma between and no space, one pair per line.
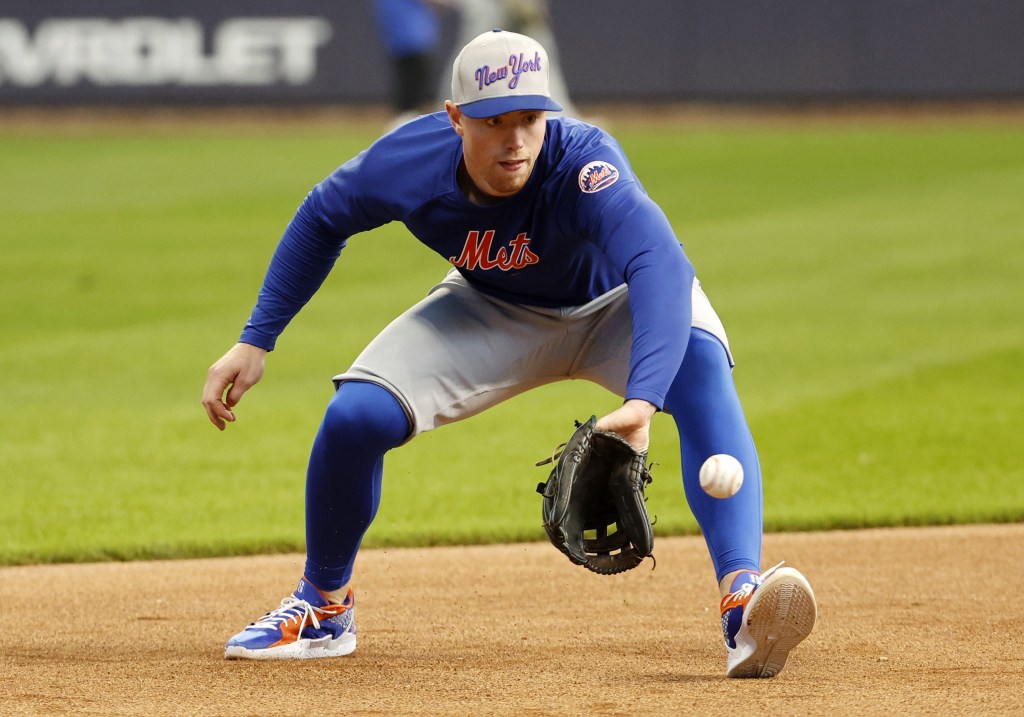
454,116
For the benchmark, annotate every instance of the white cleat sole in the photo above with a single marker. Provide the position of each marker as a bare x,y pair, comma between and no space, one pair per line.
780,614
305,649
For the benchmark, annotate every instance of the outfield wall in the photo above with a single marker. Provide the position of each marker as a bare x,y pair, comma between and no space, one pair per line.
319,51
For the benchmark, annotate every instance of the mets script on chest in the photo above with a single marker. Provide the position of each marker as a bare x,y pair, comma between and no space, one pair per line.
477,254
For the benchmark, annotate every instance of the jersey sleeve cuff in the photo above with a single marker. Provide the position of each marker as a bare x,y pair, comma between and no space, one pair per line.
650,396
257,339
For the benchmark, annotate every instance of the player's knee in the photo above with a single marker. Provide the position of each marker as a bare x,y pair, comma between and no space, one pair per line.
365,414
705,352
705,372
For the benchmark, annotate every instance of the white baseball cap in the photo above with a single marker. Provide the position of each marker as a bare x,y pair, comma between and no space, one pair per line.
499,72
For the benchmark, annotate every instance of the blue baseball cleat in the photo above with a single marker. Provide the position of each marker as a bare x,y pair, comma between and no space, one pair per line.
305,625
764,620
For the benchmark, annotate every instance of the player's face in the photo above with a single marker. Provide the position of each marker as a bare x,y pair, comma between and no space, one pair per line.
499,152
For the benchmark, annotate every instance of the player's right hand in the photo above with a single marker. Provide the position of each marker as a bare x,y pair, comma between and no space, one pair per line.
234,373
631,421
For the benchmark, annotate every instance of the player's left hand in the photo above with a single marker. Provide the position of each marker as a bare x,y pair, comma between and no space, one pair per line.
632,421
232,375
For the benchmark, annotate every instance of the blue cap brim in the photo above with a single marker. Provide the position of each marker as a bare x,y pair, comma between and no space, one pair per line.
514,103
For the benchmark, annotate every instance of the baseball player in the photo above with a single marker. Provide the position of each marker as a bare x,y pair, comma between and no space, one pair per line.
562,268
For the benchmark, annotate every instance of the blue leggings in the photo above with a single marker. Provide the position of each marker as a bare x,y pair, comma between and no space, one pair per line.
710,420
363,421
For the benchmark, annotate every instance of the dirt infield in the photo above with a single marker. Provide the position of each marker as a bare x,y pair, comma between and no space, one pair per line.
912,621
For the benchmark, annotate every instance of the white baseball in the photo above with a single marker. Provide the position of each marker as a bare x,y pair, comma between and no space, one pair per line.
721,476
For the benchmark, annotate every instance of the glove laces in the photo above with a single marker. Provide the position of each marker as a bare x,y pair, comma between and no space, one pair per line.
555,455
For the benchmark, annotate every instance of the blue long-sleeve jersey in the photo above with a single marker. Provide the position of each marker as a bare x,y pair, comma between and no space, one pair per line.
581,226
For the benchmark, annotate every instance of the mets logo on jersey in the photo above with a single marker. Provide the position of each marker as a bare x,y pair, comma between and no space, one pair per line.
597,176
479,253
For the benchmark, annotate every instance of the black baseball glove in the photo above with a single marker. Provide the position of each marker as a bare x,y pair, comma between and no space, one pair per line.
596,487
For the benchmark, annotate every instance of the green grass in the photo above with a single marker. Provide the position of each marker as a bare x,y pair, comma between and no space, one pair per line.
871,278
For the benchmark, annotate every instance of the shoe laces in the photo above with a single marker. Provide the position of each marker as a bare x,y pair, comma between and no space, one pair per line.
290,608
